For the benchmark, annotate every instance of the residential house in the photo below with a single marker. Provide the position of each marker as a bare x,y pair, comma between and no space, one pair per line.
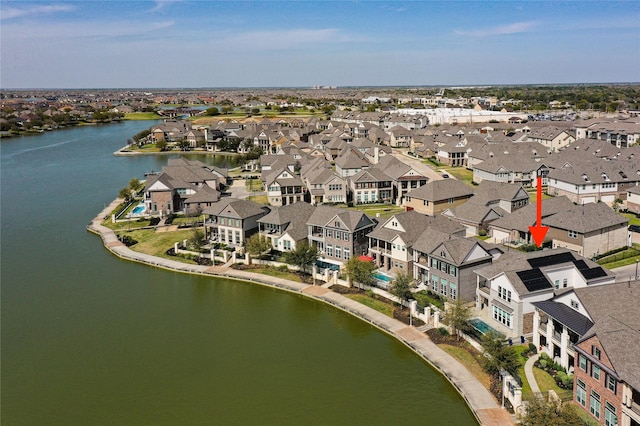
167,191
588,229
607,372
633,200
284,187
391,242
231,221
405,178
563,322
445,264
587,178
338,233
350,162
286,226
435,197
553,138
371,186
508,289
325,186
514,228
621,134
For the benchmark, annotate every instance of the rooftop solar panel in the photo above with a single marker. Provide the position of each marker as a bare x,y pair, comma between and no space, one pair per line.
593,273
581,265
553,259
534,279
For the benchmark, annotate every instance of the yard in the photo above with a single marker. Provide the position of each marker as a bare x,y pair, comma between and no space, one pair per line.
253,185
385,210
157,243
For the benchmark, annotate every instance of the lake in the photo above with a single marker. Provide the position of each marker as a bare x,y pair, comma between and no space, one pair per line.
88,338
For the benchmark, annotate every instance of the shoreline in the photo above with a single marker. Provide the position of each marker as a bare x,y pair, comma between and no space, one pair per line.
479,400
122,152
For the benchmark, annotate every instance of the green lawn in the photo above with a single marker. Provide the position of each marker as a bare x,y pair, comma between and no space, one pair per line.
469,361
460,173
253,185
547,383
385,210
261,199
376,304
157,243
533,196
633,220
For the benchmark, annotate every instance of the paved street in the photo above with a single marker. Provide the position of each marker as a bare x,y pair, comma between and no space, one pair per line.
417,164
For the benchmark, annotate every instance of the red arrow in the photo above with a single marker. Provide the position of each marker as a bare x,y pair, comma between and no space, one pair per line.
538,232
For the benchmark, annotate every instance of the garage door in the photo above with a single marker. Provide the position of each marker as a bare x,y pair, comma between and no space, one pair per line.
500,235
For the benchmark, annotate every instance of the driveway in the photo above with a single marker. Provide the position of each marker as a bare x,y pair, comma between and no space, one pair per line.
418,165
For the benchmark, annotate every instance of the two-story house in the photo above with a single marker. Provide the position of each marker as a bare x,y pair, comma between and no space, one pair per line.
606,374
231,221
371,186
435,197
286,226
391,243
508,289
338,233
561,323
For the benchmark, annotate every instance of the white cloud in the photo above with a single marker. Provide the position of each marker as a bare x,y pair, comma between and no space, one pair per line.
17,12
79,30
515,28
161,4
286,39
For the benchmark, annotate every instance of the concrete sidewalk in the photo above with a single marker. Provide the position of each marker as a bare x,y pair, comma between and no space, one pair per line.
528,372
479,399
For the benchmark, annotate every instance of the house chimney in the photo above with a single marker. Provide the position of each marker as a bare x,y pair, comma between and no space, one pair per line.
376,155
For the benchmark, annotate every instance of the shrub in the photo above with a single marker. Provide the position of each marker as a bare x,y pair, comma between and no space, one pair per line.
283,268
154,221
525,353
127,240
443,331
532,348
543,363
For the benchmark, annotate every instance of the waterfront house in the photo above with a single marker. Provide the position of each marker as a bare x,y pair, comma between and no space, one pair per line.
560,323
231,221
607,372
508,289
339,233
286,226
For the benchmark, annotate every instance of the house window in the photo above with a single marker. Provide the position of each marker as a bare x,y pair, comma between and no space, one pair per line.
612,383
434,283
594,405
237,237
564,283
286,244
504,294
557,284
451,200
329,249
339,252
329,233
595,372
573,234
347,254
574,304
454,290
502,316
610,418
581,393
582,362
595,351
444,285
337,224
346,236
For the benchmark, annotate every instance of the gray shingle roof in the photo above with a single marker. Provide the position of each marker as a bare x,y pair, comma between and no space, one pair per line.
585,218
441,190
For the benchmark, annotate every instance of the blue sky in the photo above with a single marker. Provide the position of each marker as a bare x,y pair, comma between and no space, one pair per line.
117,44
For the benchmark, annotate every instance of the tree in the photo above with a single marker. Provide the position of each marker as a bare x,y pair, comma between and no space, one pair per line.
161,145
197,239
360,271
304,256
257,244
500,356
135,185
126,195
213,111
458,318
550,412
400,286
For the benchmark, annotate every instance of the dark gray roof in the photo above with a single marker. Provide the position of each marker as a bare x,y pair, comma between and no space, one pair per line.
237,209
571,318
585,218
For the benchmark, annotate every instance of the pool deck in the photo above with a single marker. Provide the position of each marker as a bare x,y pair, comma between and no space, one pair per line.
484,406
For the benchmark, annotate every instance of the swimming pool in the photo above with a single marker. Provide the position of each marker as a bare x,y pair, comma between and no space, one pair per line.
382,277
482,326
138,210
